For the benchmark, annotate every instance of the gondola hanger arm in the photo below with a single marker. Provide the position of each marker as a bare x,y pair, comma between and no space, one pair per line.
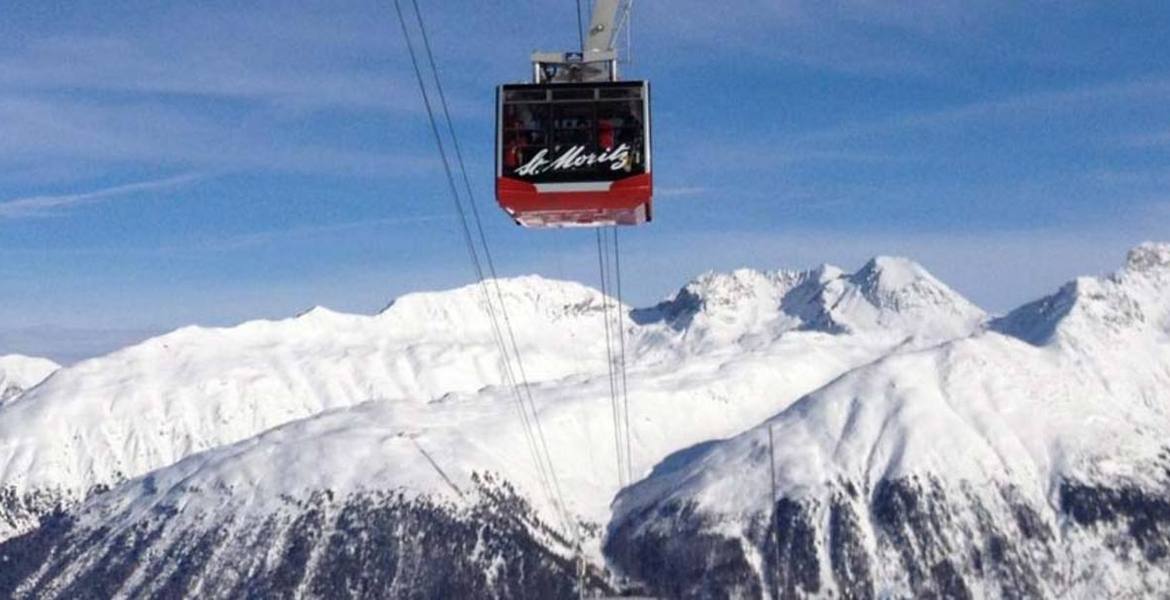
603,26
597,60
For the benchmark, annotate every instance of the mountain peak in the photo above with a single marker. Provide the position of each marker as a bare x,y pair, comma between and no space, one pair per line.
886,294
529,298
320,315
886,277
1149,257
890,272
726,289
19,373
1127,302
895,292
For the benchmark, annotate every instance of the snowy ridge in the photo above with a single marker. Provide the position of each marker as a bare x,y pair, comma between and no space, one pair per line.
1131,302
997,424
917,451
19,373
747,307
195,389
898,293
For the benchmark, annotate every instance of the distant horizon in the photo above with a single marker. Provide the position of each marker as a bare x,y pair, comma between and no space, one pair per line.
68,346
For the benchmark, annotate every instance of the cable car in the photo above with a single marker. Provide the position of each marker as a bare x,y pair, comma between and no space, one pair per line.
575,154
573,148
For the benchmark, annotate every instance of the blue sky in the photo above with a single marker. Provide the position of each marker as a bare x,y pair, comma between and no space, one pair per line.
165,163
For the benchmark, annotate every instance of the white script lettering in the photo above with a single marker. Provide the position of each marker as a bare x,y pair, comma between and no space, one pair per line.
574,158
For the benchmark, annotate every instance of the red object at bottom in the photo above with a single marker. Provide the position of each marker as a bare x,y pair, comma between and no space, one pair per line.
623,202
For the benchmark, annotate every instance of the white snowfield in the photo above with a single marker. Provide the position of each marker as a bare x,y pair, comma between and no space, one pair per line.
19,373
1074,387
412,397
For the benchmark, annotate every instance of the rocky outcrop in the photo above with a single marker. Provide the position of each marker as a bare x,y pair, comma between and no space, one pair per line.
907,537
363,545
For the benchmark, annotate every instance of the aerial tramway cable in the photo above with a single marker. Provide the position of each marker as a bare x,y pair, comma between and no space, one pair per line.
524,386
513,371
617,262
494,278
534,434
614,398
610,269
615,349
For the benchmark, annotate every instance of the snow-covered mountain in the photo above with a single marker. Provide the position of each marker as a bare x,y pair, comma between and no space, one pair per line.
380,454
890,296
19,373
153,404
1029,460
279,515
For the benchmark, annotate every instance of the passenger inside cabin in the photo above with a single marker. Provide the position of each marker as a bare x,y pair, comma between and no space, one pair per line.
522,130
606,132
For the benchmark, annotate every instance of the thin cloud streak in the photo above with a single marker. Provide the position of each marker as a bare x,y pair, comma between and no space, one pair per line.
244,56
50,130
838,144
232,243
1147,140
679,192
1047,101
46,206
251,240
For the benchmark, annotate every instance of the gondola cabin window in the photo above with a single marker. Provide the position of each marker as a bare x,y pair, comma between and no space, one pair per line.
563,133
574,154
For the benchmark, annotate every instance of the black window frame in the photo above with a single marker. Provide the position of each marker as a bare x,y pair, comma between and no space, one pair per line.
601,95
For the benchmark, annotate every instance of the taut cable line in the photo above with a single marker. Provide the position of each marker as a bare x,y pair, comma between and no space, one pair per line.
534,435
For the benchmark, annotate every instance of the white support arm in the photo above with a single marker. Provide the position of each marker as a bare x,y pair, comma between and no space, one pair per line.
603,26
598,60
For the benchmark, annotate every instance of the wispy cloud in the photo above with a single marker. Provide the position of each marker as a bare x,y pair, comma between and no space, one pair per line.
675,192
1160,212
44,206
249,240
230,55
1017,105
859,37
49,130
1153,181
254,88
1147,140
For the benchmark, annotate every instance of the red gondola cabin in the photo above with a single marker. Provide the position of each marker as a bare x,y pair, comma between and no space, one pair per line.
574,154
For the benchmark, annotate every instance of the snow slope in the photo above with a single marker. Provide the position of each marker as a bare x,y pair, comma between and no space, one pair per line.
920,450
698,362
1032,458
258,518
19,373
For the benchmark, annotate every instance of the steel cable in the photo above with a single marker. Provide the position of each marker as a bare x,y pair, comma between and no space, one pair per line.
615,405
550,473
617,261
543,463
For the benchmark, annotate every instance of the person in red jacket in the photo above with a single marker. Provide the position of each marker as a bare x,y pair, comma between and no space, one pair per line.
605,134
512,146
